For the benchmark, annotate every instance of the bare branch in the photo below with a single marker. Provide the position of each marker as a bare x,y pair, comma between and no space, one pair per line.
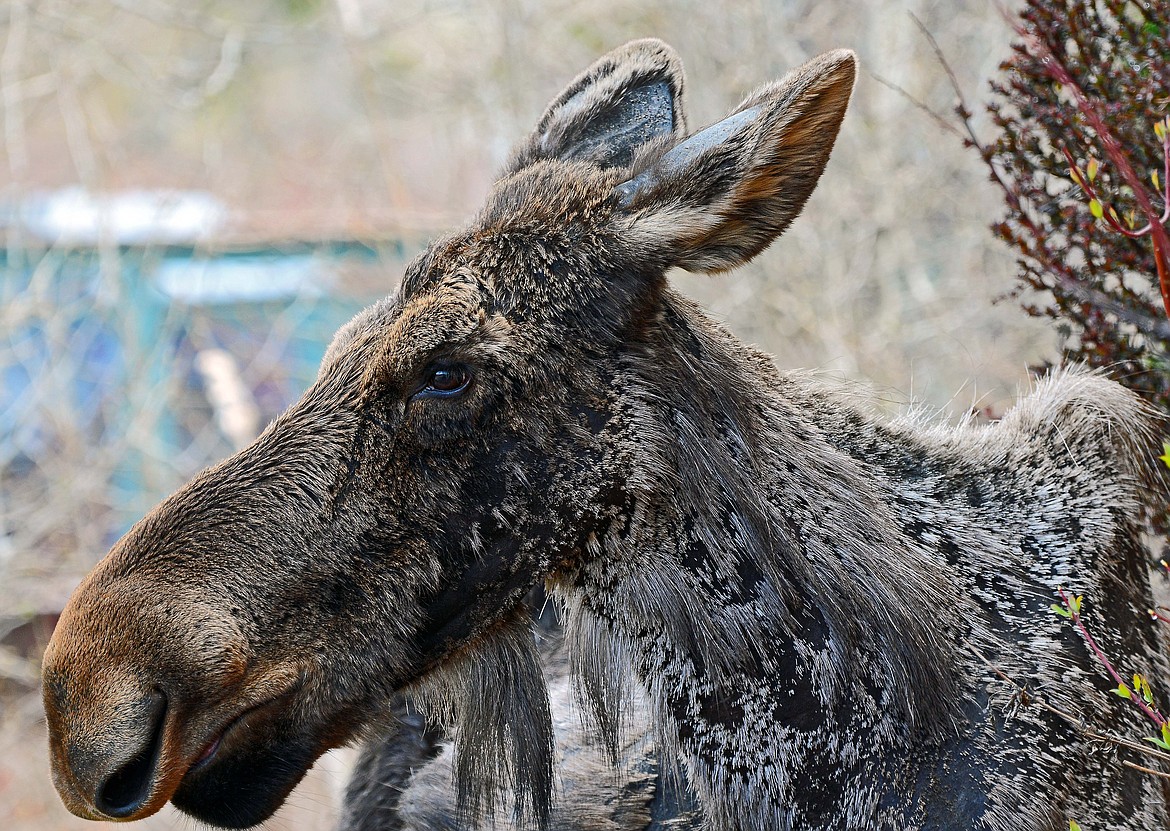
1076,723
938,119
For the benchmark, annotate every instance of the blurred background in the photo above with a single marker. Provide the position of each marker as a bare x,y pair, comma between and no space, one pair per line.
195,195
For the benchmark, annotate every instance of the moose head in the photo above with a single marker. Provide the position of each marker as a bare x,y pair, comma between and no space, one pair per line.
466,439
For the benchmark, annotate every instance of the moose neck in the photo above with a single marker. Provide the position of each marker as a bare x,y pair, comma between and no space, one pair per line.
752,572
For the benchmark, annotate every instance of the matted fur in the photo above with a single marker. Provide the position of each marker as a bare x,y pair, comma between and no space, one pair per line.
784,600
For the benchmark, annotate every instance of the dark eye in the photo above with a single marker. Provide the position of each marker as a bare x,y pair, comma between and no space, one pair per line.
445,382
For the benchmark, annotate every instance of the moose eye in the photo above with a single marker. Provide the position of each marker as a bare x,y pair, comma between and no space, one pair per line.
444,382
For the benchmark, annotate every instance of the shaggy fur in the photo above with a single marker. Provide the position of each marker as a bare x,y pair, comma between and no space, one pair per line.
783,595
404,780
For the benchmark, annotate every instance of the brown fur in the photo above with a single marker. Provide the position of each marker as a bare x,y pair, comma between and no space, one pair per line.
775,581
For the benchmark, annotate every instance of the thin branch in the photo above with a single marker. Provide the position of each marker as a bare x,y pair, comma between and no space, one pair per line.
1077,724
1135,697
938,119
964,111
1110,215
1147,324
1144,769
1060,73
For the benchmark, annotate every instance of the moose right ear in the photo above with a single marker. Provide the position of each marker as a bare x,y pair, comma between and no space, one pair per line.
719,197
627,98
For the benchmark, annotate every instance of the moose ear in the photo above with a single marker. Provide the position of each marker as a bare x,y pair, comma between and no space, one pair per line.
719,197
625,99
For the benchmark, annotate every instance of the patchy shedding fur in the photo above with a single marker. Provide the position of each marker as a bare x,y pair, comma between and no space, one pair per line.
777,606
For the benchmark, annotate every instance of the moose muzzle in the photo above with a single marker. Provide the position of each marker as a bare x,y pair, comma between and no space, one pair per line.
141,687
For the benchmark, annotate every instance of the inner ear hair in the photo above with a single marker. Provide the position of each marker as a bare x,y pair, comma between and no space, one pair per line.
720,196
630,96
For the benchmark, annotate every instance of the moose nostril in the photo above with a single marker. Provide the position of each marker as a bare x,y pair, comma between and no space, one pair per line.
126,790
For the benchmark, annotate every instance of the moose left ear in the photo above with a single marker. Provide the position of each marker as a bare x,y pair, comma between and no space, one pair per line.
627,98
719,197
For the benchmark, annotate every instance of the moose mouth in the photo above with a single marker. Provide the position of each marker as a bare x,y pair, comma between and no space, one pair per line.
242,774
213,746
248,767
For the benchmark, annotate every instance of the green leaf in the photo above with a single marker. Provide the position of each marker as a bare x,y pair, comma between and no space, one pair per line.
1095,208
1162,743
1165,457
1060,610
1092,169
1166,734
1123,691
1073,826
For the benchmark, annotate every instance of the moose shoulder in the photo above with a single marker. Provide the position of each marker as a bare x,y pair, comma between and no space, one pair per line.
795,598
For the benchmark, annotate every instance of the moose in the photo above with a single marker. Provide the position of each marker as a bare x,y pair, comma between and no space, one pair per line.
779,610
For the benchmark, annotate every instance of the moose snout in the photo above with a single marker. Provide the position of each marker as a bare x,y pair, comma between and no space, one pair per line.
134,693
107,739
122,792
108,771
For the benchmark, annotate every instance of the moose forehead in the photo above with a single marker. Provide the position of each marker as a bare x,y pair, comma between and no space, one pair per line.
537,256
